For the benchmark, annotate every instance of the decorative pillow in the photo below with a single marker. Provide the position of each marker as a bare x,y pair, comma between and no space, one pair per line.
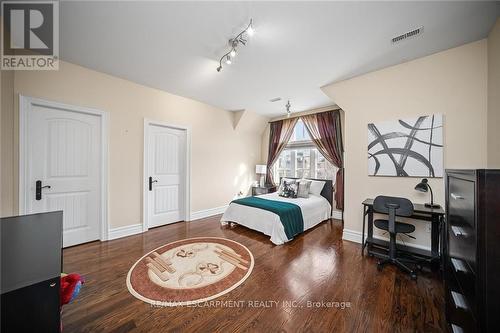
316,187
282,183
288,189
304,187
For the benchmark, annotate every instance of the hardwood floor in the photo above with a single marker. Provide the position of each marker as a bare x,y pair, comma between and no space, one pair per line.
317,266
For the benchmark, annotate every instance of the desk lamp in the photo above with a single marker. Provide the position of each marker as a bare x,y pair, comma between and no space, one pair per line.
424,186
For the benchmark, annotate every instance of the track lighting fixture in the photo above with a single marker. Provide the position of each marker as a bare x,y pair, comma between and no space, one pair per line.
288,112
241,38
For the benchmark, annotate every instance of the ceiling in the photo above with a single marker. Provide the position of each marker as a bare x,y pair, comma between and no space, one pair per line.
298,46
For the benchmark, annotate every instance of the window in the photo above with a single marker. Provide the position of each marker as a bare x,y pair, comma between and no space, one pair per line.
302,159
300,132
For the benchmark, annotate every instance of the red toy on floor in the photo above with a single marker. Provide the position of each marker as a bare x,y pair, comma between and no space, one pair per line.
70,288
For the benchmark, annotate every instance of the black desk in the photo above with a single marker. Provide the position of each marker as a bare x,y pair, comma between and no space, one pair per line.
432,215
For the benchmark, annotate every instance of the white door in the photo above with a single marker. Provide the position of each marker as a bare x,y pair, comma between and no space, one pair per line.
165,176
63,157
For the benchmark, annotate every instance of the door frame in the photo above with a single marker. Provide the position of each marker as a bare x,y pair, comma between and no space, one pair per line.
25,104
187,173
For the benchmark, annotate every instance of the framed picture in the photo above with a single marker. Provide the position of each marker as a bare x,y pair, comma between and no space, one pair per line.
406,147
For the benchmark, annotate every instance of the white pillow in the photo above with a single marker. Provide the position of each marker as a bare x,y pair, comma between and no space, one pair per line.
316,187
304,187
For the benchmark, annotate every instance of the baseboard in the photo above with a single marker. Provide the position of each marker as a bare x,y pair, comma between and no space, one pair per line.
124,231
355,236
351,235
337,214
201,214
134,229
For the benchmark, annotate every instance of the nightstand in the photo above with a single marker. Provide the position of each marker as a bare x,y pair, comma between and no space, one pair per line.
257,190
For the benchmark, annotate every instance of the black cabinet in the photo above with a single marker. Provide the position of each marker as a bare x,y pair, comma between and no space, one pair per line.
472,250
34,308
31,261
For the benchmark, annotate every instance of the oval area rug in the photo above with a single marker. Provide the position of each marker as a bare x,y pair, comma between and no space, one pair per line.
190,271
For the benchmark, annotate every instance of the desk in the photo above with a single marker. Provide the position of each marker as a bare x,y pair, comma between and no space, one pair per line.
432,215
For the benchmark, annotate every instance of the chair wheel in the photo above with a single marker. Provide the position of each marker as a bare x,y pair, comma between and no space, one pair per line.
413,276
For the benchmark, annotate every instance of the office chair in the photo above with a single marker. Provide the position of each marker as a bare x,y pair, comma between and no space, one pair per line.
394,206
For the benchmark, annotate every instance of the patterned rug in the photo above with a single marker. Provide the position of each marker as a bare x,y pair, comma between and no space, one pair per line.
190,271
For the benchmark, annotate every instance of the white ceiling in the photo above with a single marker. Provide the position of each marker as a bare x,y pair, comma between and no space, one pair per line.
298,46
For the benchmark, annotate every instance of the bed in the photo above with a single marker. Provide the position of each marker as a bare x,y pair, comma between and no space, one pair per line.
314,210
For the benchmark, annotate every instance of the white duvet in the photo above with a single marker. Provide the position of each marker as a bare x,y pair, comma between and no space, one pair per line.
315,209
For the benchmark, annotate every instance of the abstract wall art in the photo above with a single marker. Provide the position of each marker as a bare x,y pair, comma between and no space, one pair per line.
406,147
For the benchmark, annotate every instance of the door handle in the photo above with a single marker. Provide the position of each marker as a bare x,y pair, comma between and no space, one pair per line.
38,189
459,300
458,231
151,181
457,197
458,265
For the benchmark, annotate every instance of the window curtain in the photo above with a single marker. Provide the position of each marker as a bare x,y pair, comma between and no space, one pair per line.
326,133
279,135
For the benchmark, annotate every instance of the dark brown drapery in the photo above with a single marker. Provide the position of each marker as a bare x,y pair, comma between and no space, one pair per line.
326,133
279,135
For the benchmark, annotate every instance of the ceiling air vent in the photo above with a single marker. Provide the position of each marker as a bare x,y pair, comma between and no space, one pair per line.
275,99
407,35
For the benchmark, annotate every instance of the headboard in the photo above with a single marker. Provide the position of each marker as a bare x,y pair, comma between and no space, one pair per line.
327,191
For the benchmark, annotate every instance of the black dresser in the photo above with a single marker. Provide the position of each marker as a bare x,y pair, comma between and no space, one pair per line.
472,250
31,249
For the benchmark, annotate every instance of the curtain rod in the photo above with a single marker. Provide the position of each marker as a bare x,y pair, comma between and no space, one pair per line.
273,121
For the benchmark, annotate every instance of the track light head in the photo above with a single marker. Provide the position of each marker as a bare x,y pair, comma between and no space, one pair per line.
219,68
228,59
233,43
250,31
233,53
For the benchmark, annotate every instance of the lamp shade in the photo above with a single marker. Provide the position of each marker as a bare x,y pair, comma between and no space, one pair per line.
260,169
422,186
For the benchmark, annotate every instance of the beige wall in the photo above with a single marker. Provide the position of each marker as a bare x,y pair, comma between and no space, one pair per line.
224,150
7,172
453,83
494,97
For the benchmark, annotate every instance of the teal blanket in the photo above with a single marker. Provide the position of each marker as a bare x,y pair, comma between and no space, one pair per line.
289,213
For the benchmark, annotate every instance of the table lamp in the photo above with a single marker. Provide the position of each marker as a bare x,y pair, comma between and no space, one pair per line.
424,186
261,169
